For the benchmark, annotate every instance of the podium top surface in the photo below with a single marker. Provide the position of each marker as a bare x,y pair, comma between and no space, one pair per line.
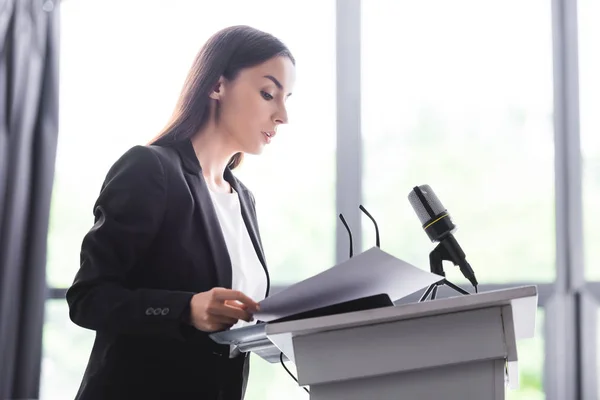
523,300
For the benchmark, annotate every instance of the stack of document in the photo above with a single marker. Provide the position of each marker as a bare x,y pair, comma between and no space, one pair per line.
366,274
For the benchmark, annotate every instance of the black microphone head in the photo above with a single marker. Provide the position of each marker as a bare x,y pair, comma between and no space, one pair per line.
429,209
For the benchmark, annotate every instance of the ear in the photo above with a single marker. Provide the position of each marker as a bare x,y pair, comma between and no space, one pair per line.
217,90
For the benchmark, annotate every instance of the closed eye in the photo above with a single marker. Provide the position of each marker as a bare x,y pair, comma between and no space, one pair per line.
266,95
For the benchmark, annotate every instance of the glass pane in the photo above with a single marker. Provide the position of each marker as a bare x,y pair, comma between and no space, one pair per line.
119,86
458,95
531,365
271,382
598,348
65,353
589,91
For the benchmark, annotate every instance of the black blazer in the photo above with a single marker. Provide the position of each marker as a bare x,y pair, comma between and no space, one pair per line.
156,242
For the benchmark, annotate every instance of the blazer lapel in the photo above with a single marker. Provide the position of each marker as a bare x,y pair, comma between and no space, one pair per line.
214,233
207,215
250,220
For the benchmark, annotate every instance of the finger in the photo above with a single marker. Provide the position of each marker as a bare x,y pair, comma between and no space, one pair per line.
222,319
235,303
234,312
228,294
228,311
223,294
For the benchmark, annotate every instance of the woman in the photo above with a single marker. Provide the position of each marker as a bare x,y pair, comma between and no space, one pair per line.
175,251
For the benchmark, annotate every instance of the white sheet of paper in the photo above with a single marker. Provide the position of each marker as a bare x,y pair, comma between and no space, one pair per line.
369,273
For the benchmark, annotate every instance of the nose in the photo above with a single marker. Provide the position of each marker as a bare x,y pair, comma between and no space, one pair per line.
281,117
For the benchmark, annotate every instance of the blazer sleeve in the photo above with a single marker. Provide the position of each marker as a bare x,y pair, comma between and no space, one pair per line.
128,213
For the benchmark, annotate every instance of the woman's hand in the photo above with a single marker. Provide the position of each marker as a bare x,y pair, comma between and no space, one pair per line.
220,308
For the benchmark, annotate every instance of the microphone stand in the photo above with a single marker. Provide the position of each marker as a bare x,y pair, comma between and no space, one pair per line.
448,250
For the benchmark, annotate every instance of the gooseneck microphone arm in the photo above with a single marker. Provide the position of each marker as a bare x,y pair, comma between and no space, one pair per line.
349,234
364,210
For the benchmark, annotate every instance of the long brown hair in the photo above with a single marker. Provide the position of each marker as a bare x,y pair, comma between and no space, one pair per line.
224,54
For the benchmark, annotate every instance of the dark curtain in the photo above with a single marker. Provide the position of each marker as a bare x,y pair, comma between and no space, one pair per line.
29,36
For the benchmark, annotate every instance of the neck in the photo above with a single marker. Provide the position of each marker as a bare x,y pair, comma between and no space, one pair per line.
214,151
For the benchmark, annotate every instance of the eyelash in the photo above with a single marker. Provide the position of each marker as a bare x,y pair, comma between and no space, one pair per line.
266,95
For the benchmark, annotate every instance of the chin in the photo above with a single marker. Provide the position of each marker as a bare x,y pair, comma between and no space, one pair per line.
255,151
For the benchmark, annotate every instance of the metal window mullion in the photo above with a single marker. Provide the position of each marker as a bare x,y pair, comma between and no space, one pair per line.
563,327
348,150
588,334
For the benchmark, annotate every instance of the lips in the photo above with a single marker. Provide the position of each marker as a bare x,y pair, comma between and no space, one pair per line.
268,135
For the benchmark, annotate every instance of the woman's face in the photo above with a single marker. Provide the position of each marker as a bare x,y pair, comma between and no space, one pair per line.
252,106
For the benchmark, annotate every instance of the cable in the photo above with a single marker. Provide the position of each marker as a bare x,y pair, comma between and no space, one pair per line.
288,371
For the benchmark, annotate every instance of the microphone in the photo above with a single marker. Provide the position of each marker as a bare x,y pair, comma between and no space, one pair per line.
438,225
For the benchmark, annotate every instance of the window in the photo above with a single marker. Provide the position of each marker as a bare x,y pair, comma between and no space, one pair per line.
458,95
589,92
66,349
531,365
598,346
118,88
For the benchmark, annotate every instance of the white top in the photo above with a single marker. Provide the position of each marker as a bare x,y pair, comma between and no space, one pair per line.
248,274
